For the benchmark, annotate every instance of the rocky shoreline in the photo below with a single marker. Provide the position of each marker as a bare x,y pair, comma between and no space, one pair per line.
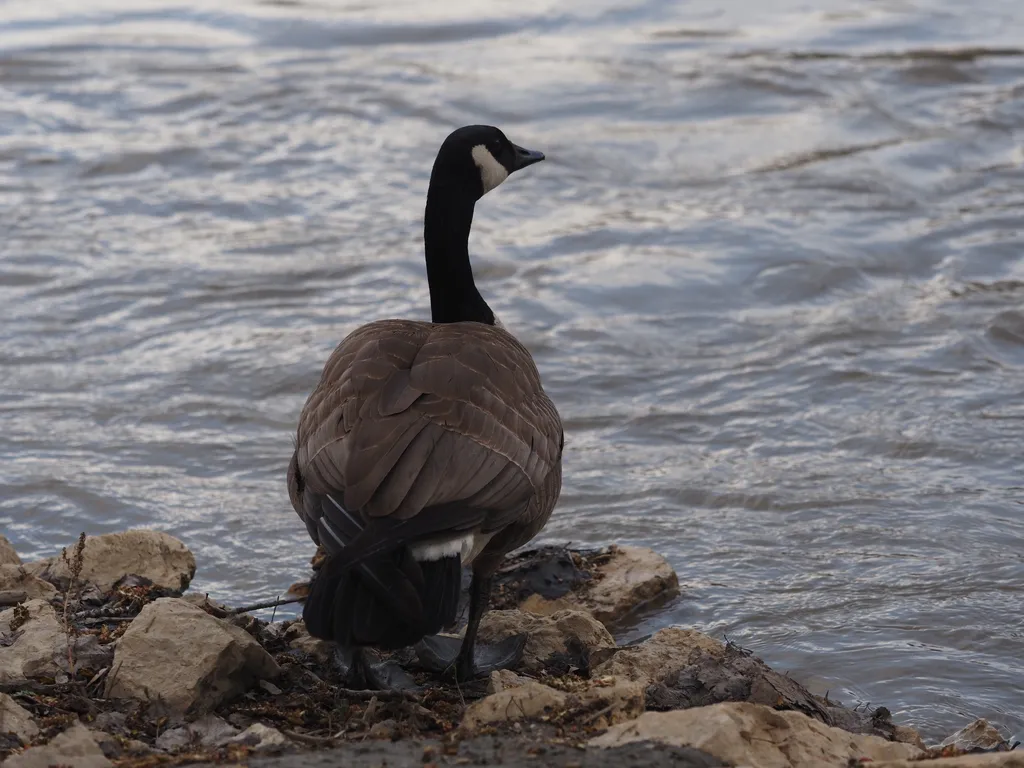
106,659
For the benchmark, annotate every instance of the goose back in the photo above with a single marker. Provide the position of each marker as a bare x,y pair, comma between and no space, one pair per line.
429,428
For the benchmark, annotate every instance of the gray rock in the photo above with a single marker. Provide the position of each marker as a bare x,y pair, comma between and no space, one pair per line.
207,731
76,747
90,654
184,660
111,722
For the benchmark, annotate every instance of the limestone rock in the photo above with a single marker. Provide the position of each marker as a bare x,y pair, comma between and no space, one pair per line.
40,644
907,735
1013,759
755,735
203,601
74,747
385,729
601,702
505,678
299,639
16,578
259,737
978,735
669,649
155,556
616,700
16,719
184,659
737,675
528,701
8,555
623,579
566,638
632,577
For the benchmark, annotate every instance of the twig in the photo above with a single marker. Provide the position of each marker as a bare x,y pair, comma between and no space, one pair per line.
603,711
313,741
102,612
44,689
105,619
265,604
347,693
12,598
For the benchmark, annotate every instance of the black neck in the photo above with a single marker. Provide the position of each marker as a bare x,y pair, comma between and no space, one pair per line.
453,294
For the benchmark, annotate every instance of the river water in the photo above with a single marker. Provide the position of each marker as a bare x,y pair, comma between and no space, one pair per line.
772,273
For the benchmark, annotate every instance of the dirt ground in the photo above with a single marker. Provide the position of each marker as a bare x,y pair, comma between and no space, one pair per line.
506,751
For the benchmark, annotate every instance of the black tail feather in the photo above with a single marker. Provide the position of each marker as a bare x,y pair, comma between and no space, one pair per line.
388,600
349,606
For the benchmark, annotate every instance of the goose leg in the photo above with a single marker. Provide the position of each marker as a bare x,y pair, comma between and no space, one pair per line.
442,654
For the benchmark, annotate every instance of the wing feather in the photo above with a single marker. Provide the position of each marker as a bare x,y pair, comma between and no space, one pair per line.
412,418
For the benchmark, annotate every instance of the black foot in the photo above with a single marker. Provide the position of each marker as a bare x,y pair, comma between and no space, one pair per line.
440,654
358,673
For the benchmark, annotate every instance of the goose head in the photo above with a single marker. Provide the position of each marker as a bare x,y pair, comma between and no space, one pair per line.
477,158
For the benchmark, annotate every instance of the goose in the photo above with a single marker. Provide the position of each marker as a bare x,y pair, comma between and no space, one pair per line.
426,447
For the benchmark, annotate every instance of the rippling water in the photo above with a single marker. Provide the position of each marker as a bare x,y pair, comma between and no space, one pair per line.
772,273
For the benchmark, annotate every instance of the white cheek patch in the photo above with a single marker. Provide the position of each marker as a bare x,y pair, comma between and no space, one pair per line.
492,173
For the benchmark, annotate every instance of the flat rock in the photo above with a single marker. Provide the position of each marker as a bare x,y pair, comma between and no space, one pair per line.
713,677
996,760
17,578
599,703
155,556
620,580
980,734
186,661
8,555
40,643
76,747
15,719
667,650
564,639
755,735
526,702
612,701
505,678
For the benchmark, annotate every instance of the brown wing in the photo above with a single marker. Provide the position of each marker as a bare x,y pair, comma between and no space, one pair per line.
432,421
